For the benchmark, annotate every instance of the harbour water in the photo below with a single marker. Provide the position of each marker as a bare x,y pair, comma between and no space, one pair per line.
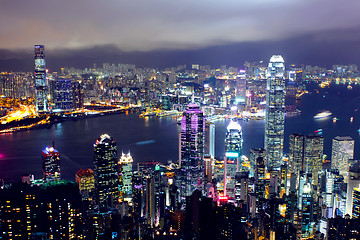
157,138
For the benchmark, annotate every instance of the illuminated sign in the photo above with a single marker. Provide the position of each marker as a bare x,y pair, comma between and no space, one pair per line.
232,154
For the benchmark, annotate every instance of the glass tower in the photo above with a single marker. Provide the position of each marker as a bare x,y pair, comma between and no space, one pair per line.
125,173
233,153
51,164
275,112
192,149
342,153
41,90
106,171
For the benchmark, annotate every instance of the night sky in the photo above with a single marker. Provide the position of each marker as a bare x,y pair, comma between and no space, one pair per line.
166,33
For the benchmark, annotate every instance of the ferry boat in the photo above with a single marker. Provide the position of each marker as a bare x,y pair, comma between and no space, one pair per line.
323,115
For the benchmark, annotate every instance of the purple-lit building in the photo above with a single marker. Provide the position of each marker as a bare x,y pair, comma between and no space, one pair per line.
191,149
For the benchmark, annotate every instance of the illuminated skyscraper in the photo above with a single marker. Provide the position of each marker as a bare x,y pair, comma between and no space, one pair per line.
40,79
125,176
51,164
62,94
209,147
192,149
86,180
313,155
275,112
106,174
233,153
296,152
342,153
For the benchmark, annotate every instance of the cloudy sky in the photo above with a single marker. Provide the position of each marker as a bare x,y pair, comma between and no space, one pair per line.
139,30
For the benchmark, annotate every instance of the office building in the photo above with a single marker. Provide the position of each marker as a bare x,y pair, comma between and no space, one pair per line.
51,164
342,153
125,177
275,112
296,153
62,94
86,180
233,156
209,146
106,171
353,182
41,86
313,155
192,149
78,94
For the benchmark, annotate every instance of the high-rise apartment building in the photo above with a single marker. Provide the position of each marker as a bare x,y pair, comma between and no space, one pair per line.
51,164
125,176
106,171
342,153
192,149
275,112
41,86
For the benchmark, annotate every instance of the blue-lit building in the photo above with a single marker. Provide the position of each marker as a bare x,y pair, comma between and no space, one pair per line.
275,112
106,171
41,86
63,95
191,149
51,164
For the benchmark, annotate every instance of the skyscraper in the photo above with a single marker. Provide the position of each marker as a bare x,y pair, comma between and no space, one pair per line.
192,149
342,152
275,112
41,90
313,155
296,152
233,153
51,164
125,173
106,174
209,146
62,94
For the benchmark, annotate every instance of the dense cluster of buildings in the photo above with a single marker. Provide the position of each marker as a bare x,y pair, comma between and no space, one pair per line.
270,195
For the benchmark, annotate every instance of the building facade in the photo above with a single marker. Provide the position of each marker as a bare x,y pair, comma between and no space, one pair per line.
106,171
275,112
51,164
41,86
342,153
192,149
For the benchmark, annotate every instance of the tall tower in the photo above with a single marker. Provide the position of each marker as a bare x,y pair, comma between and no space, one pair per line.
106,174
233,153
125,173
296,152
51,164
313,155
41,90
275,112
192,149
342,152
